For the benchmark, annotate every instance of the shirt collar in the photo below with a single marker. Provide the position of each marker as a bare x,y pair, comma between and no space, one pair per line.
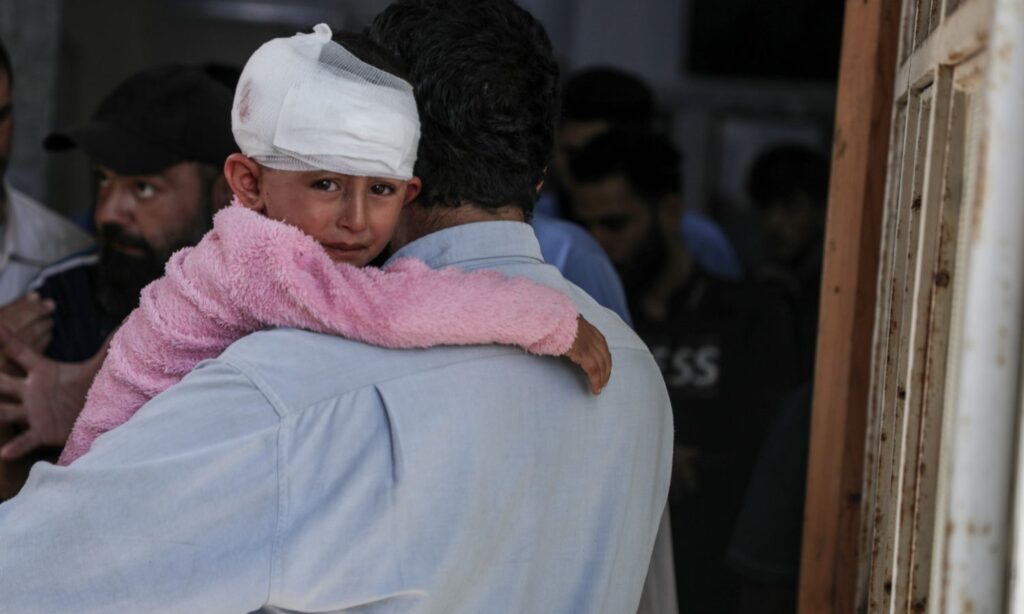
463,244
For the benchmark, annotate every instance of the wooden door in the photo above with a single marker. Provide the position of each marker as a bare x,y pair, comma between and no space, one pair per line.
936,505
934,153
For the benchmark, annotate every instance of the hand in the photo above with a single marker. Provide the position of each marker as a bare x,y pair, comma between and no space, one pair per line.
590,352
29,318
47,398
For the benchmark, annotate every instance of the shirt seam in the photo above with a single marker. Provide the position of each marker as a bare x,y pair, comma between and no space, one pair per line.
284,432
238,362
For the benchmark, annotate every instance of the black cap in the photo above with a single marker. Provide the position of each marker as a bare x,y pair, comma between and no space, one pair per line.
155,119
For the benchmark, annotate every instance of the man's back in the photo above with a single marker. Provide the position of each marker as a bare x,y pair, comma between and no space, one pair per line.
309,473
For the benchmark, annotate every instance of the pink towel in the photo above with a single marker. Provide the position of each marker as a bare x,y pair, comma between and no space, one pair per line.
251,273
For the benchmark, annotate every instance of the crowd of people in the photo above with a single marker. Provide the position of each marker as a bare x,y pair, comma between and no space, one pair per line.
286,368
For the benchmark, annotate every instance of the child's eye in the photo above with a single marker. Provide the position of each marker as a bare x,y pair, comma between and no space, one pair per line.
382,189
326,185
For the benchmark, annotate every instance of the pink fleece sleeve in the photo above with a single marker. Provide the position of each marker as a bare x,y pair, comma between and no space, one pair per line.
294,283
251,273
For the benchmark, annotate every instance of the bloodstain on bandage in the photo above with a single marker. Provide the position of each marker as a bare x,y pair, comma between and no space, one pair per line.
244,103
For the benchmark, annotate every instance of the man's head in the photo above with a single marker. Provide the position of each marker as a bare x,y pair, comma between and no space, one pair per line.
6,106
486,84
627,192
157,142
595,100
789,183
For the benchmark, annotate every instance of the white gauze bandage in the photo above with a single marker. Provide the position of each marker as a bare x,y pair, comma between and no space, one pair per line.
305,103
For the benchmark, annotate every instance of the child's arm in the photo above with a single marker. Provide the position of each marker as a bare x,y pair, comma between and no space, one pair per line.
252,273
178,324
281,277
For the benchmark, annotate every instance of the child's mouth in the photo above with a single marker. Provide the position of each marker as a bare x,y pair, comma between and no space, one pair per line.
343,251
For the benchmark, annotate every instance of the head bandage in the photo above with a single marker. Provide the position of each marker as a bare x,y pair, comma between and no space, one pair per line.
305,103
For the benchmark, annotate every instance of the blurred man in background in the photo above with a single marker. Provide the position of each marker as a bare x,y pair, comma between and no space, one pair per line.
157,143
31,238
726,348
32,235
598,99
789,184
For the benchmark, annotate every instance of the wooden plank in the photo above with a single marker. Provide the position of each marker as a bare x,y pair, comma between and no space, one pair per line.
904,419
943,275
914,499
892,390
880,350
828,575
969,80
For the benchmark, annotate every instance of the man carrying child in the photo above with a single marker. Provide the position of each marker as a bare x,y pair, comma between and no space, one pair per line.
304,472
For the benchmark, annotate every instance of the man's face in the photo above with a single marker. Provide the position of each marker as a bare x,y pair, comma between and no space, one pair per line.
164,211
141,221
789,227
616,215
6,121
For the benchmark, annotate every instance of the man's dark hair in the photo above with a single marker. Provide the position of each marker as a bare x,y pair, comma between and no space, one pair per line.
608,94
5,64
781,173
364,48
486,85
648,161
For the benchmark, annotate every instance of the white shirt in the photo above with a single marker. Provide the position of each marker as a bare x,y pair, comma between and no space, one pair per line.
32,238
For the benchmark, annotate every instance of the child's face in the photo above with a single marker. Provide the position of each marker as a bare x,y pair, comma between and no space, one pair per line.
352,217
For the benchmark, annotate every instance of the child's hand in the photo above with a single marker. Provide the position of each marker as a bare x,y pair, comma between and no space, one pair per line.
590,352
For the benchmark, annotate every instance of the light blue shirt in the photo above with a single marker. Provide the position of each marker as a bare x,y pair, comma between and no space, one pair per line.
580,259
302,472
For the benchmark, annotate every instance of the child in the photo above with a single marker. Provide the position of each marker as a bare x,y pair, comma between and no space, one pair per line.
329,143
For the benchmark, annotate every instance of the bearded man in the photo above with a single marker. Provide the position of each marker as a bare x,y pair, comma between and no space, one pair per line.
157,143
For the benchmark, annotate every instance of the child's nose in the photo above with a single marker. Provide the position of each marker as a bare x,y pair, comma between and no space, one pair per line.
353,216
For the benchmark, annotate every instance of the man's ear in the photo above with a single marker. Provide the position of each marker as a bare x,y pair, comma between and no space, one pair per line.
243,175
412,190
540,184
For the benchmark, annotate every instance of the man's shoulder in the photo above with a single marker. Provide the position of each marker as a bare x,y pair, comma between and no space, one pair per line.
80,265
44,234
302,368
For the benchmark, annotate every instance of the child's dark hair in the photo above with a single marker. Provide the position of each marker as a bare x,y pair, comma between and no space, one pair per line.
364,48
648,161
486,85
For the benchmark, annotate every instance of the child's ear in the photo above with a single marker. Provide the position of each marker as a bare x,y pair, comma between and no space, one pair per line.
412,190
243,175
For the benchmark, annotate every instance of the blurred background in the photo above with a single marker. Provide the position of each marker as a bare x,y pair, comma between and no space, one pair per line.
732,81
731,77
